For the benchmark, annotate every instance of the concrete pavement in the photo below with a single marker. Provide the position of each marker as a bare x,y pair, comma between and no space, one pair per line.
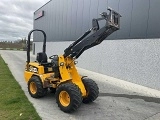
113,103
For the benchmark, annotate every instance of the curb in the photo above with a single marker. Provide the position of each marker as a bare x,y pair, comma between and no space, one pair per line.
120,83
12,49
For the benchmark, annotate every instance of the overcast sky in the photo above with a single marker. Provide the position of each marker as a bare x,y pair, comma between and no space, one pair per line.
16,18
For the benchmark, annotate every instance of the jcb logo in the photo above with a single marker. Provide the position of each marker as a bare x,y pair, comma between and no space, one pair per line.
33,69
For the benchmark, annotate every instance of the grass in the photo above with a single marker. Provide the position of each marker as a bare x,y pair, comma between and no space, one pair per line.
14,105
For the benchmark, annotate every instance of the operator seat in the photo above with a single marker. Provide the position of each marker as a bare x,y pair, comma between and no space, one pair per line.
41,57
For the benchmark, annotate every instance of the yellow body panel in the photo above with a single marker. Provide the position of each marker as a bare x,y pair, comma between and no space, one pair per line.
40,72
70,73
67,69
65,75
27,76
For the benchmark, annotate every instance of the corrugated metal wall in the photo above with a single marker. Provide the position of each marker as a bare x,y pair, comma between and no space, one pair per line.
66,20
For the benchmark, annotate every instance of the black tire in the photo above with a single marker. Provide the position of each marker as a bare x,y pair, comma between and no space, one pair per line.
91,89
75,97
39,90
52,90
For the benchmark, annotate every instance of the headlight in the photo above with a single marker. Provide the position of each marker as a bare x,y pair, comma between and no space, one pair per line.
75,62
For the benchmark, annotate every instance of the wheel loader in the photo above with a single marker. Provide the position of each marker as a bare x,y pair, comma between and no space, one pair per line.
59,75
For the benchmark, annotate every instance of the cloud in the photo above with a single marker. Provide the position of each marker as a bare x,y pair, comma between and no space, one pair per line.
16,18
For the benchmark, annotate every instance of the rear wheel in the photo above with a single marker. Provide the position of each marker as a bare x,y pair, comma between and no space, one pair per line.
35,87
91,89
68,97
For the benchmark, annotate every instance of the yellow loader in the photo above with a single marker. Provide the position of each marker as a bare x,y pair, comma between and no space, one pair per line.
60,74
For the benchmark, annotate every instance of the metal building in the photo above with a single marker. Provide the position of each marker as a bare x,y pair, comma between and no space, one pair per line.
131,54
65,20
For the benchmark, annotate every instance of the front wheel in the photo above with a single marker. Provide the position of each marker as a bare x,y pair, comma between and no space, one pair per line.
68,97
92,90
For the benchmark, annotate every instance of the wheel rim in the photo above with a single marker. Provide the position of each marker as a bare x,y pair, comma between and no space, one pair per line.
64,98
33,88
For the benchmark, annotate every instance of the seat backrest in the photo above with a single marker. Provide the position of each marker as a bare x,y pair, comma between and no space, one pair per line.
41,57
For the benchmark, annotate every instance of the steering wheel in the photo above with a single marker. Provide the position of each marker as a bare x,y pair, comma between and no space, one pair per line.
53,56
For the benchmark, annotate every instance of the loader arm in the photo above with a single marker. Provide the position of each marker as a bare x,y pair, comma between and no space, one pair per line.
88,40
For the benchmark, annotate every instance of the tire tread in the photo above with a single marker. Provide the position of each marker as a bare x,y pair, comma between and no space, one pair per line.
92,88
75,96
